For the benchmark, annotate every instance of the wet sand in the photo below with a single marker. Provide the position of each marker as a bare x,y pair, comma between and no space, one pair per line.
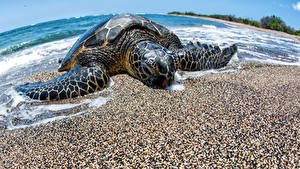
248,118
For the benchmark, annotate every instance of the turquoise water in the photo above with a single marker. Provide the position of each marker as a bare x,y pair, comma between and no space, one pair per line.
28,36
30,49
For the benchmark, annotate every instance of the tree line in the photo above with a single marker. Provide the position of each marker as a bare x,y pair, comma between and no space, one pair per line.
268,22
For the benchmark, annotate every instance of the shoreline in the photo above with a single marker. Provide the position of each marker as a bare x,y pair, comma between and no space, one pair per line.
243,119
294,37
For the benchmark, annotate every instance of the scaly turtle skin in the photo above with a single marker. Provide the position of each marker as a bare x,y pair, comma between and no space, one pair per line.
128,44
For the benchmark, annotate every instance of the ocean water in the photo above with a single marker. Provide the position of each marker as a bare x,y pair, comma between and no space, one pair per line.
27,50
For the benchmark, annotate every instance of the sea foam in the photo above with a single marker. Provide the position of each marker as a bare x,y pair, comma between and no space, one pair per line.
35,54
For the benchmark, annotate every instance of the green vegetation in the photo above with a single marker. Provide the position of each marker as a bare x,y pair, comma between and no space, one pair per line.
275,23
297,32
267,22
234,19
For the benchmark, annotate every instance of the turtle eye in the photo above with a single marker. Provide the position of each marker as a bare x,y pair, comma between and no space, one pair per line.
60,60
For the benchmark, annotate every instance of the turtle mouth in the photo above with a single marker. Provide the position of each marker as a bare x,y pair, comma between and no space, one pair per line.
160,82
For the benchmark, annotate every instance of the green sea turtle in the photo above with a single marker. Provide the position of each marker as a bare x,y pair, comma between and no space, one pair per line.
128,44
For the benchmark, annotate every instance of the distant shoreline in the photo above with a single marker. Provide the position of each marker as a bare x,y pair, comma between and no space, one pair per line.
245,26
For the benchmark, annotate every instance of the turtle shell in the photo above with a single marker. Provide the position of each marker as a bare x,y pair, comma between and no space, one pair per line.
106,32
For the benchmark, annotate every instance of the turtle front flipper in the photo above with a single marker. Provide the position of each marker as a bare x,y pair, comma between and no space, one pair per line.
196,56
77,82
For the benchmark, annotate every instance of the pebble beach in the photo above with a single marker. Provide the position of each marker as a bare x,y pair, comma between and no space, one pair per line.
247,118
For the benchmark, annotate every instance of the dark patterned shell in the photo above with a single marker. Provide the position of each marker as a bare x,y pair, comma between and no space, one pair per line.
106,34
107,31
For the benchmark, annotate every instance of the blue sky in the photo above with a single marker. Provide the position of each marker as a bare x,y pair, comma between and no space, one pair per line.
17,13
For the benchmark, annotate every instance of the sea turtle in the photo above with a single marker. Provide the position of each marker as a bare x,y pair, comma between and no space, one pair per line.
128,44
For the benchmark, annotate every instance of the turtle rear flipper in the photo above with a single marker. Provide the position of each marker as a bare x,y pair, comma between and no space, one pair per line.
196,56
77,82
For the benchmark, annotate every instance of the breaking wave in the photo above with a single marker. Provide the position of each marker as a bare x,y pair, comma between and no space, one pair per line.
42,40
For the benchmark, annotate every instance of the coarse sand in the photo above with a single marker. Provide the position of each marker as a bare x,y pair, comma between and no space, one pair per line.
247,118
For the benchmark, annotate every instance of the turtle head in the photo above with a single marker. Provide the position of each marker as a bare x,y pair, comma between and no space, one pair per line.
161,73
157,64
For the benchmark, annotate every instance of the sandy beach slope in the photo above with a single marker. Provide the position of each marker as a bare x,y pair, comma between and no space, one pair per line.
249,27
248,118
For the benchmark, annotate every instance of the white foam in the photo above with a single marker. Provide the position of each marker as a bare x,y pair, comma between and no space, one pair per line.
96,103
176,85
264,58
186,74
56,107
236,35
209,26
271,61
13,99
31,113
35,54
15,61
11,127
3,111
235,61
16,107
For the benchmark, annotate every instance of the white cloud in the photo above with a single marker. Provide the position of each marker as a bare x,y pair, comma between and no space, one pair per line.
297,6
